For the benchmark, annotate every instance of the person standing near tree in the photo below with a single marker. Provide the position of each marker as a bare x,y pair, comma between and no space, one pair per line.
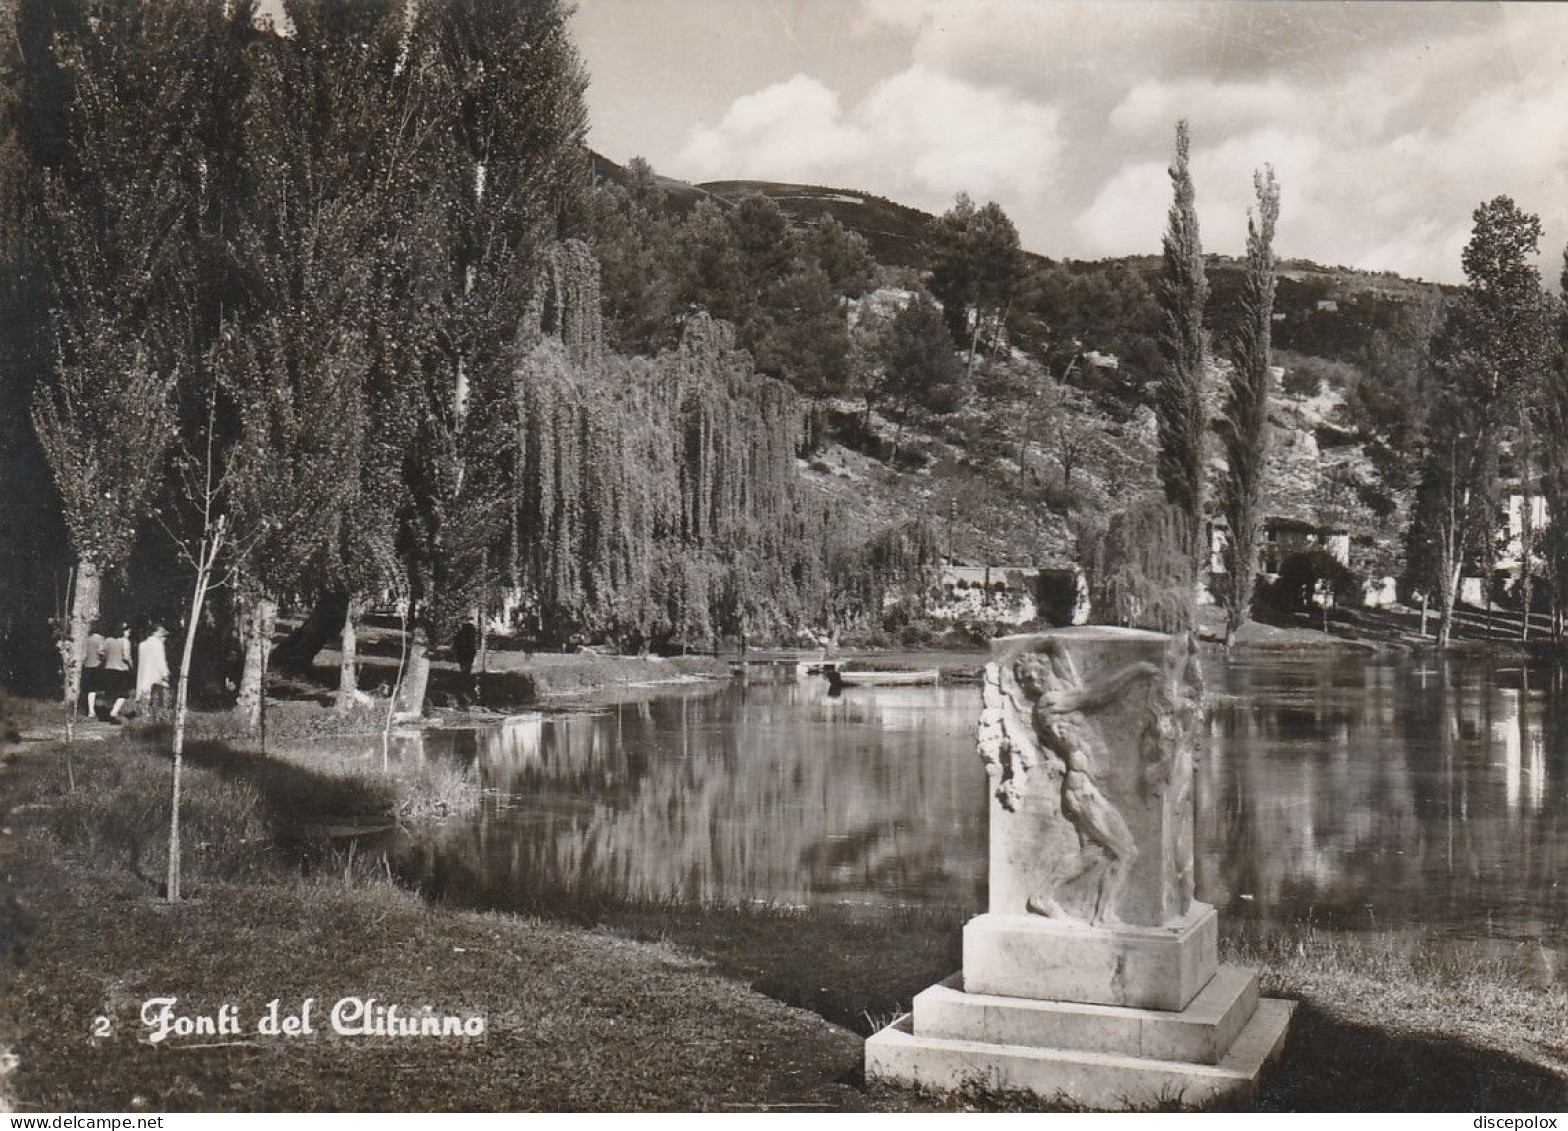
92,668
117,670
152,668
465,646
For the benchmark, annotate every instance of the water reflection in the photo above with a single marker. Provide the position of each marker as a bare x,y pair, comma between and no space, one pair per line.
1347,792
1358,793
750,791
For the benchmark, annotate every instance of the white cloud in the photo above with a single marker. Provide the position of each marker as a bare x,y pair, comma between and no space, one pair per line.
779,131
1387,124
918,136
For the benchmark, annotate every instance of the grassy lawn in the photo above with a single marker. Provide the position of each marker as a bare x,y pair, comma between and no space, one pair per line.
600,1006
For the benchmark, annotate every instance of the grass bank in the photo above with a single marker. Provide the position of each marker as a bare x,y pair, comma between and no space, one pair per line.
1388,1020
573,1019
516,678
588,1003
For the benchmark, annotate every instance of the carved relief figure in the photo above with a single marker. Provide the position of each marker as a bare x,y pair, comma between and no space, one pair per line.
1007,744
1106,847
1171,735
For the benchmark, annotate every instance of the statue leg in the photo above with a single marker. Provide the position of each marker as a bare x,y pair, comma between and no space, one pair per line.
1117,841
1067,870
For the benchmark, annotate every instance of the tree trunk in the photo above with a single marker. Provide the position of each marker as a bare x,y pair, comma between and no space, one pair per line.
1527,551
416,679
1445,624
898,438
260,621
84,610
297,651
205,561
348,671
974,346
482,627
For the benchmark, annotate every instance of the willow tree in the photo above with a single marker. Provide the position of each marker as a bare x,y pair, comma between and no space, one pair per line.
1137,567
651,496
1178,396
117,230
1246,425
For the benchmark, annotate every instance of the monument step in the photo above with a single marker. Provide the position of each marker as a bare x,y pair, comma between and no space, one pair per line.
1030,956
1201,1034
1099,1080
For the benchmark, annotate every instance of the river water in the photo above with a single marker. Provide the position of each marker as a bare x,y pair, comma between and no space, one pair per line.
1345,792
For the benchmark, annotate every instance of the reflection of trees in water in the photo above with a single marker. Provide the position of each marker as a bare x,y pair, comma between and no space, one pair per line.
765,791
1401,794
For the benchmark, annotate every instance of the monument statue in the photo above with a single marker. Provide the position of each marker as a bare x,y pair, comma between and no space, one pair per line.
1094,973
1059,715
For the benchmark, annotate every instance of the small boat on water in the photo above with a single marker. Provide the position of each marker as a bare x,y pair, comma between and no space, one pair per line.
837,678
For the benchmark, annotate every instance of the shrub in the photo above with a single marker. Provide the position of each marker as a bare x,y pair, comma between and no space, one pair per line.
1307,572
1137,570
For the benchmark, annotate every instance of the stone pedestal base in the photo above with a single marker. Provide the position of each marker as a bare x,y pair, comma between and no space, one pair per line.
1094,1056
1029,956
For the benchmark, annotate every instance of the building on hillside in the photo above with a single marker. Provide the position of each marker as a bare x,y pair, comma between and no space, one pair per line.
1013,595
1508,566
1282,536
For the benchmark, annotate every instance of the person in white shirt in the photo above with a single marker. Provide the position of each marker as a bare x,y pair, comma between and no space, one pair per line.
152,667
92,668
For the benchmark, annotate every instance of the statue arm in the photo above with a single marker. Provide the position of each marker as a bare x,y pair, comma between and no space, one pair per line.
1102,691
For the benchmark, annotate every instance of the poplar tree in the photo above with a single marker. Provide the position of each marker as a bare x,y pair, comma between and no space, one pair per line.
1246,426
1554,477
502,176
1184,342
118,232
1490,347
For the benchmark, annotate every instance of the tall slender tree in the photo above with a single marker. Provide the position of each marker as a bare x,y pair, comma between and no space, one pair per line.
1184,342
506,170
1491,344
1554,470
1246,426
119,229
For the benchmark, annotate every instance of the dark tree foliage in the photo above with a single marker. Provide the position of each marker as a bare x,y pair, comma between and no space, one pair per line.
843,256
31,138
1554,472
1066,309
976,267
1490,351
1308,576
921,368
1178,397
1246,426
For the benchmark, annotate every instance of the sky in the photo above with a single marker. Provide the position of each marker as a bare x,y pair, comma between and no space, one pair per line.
1386,123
